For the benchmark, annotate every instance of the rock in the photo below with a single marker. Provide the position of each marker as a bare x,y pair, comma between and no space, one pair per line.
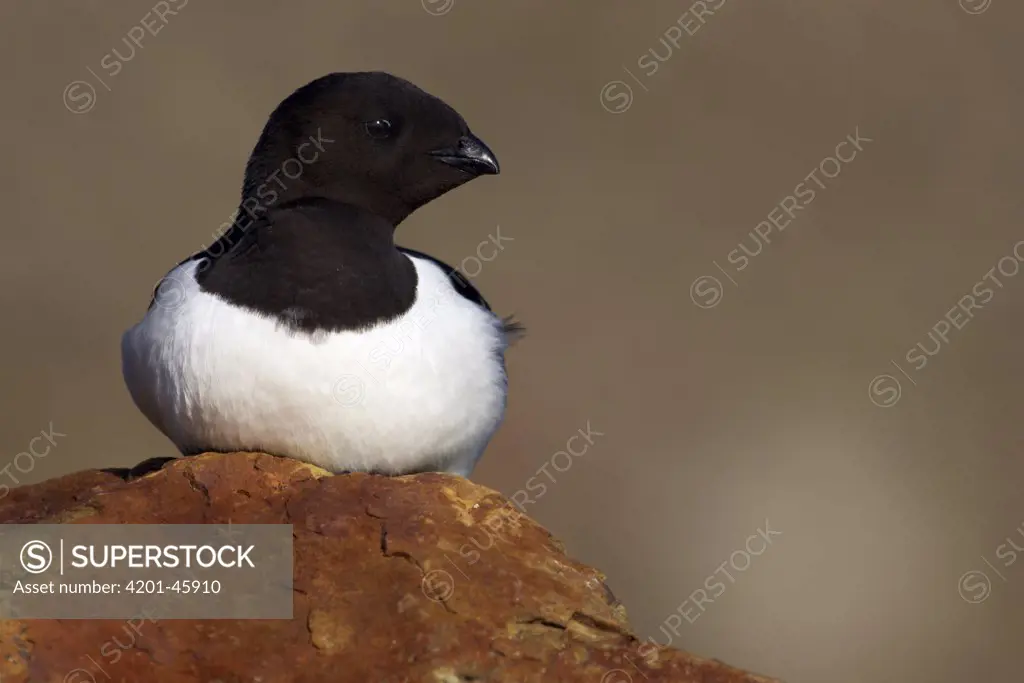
426,577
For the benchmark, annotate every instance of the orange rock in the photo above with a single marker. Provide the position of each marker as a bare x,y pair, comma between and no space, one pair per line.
426,577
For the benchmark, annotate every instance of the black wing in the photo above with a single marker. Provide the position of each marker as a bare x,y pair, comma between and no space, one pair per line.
513,329
458,280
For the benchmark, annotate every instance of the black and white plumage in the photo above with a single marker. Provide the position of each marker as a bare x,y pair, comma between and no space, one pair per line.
305,331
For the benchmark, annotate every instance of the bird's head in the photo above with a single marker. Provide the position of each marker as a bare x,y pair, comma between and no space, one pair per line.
369,139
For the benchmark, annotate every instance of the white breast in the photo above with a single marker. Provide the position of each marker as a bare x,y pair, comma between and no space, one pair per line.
426,391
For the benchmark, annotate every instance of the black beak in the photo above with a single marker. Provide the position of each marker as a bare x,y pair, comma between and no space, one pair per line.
470,155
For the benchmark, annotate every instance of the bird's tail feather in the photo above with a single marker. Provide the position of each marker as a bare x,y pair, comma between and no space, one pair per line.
513,329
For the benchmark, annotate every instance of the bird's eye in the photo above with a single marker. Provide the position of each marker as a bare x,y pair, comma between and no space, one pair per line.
380,129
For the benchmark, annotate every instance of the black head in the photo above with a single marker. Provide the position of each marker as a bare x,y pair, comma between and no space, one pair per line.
369,139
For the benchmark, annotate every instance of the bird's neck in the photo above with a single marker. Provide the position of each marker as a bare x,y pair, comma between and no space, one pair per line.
266,196
315,264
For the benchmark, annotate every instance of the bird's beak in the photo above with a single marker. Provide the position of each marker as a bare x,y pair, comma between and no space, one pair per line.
470,155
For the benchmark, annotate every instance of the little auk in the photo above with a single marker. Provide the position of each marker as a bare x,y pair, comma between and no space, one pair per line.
304,331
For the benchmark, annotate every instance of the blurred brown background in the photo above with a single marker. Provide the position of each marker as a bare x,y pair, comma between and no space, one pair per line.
714,419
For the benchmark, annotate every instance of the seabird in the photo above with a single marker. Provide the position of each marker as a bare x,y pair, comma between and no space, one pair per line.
304,331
